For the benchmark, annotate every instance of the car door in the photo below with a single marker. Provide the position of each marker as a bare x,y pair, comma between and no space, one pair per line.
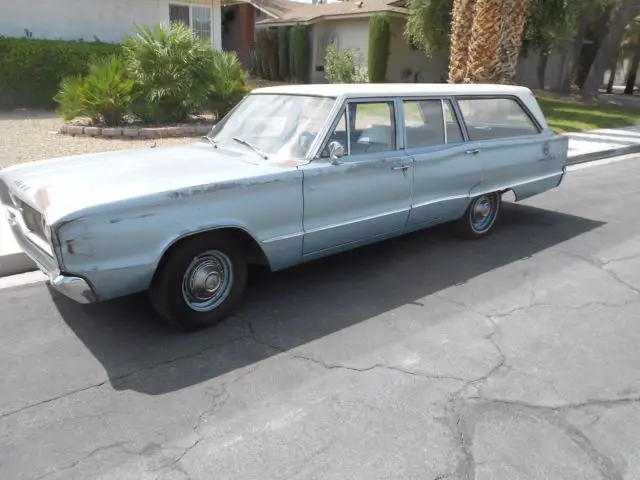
445,168
506,140
365,193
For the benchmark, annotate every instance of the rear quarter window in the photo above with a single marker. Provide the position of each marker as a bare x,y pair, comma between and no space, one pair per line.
494,118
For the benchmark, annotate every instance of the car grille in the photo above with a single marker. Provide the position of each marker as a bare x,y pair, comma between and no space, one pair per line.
33,220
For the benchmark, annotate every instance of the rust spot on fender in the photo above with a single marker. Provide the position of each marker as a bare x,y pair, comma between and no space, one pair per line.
42,199
218,187
144,215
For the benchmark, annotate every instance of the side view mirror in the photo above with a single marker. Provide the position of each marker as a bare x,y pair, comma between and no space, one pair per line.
336,151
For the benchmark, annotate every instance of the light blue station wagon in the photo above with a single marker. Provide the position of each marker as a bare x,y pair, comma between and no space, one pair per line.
292,174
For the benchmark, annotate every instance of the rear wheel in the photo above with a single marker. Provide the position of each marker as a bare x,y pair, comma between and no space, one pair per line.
201,282
479,217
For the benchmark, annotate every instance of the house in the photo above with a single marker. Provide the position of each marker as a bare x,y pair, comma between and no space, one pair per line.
239,19
346,25
105,20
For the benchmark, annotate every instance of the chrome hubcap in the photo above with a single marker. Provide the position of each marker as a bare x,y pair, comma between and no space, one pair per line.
207,281
482,212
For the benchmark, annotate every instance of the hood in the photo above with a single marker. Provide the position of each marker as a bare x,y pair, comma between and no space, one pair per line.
62,186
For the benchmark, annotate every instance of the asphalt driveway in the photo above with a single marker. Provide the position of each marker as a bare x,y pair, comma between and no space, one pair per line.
424,357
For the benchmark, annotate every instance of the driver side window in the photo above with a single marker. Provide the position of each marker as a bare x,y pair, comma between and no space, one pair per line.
371,128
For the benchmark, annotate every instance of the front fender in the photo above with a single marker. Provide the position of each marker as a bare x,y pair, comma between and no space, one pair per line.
118,251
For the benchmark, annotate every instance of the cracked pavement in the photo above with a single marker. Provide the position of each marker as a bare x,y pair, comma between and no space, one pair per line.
424,357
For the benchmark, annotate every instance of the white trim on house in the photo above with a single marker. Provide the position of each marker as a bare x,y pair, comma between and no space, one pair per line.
191,6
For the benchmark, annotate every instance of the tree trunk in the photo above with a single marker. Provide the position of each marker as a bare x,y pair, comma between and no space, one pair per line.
590,52
571,68
461,25
635,63
610,43
541,70
614,68
484,50
515,14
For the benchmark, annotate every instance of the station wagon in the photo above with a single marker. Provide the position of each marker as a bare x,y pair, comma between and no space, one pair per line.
291,174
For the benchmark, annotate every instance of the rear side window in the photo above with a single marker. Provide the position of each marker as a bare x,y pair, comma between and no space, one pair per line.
430,123
494,118
423,123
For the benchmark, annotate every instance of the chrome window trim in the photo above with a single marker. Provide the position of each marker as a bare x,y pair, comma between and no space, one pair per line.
515,98
444,122
343,109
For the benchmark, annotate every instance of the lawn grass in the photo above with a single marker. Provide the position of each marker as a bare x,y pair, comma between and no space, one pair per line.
564,115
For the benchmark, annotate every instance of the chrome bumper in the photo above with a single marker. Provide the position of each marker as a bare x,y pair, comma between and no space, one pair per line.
75,288
564,173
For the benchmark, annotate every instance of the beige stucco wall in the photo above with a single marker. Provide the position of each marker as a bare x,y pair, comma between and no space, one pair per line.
350,33
401,57
354,33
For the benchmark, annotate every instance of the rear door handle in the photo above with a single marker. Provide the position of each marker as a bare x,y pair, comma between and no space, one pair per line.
401,167
473,151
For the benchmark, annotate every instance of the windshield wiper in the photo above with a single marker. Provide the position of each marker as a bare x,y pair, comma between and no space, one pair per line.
252,147
211,141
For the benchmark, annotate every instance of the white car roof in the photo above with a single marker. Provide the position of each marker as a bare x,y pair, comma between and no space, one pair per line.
371,89
409,89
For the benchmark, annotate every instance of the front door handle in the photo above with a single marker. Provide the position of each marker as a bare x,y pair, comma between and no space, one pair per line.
400,167
473,151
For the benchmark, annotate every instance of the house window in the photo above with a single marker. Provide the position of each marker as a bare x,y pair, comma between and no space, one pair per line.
197,18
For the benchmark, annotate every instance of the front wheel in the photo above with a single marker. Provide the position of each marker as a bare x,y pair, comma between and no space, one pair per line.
479,217
201,282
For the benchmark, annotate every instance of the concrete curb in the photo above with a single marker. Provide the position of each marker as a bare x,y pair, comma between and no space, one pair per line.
16,263
602,154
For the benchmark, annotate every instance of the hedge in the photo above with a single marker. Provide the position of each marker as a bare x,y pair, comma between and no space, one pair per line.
300,52
31,69
379,37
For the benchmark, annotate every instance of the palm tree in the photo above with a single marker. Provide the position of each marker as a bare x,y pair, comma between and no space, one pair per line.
484,49
515,14
461,24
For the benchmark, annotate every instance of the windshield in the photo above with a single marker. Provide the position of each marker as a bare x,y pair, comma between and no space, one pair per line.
274,124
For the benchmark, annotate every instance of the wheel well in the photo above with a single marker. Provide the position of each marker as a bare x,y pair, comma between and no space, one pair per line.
255,254
510,193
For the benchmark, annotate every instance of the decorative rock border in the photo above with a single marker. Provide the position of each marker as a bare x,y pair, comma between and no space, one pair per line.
136,132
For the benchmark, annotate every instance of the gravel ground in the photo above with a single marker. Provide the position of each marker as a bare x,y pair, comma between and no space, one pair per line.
28,135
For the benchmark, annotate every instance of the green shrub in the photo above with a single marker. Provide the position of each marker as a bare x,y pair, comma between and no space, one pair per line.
292,70
379,37
229,83
105,94
343,66
31,69
262,47
300,51
283,53
69,99
171,68
274,64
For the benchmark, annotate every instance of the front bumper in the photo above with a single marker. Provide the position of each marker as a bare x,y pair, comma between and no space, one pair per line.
73,287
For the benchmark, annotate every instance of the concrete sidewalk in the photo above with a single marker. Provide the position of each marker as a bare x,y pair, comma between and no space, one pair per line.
603,143
583,147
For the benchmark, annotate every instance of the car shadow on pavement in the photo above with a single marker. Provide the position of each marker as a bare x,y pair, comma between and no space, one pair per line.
287,309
